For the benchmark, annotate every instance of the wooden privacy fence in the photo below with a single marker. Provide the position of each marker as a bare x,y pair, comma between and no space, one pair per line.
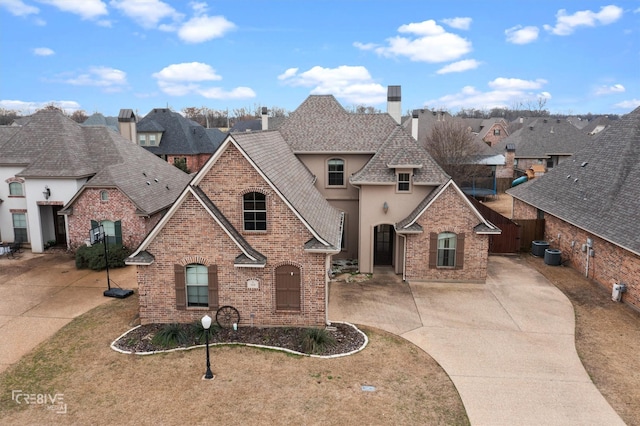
531,230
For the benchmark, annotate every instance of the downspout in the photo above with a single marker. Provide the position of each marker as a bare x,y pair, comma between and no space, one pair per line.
404,257
327,267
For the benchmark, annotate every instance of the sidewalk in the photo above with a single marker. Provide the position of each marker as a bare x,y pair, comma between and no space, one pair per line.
40,293
508,345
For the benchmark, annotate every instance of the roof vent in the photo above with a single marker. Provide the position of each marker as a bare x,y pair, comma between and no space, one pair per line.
156,179
544,121
148,183
530,127
575,180
584,164
144,174
568,176
558,120
167,186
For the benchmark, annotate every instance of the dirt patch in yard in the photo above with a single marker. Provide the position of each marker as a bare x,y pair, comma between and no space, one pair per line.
391,381
607,337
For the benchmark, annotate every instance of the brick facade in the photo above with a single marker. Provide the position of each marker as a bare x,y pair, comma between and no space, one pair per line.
610,263
194,162
192,233
448,213
89,206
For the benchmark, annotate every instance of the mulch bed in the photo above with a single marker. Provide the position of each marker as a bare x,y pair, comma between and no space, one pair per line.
347,338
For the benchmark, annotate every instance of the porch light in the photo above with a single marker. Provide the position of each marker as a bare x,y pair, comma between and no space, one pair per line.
46,192
385,207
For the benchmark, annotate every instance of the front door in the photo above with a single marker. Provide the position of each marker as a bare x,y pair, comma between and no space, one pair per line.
58,225
383,236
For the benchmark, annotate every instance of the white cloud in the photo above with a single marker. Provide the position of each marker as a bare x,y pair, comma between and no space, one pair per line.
522,35
204,28
631,104
430,43
146,13
351,83
43,51
109,79
30,107
458,23
566,24
18,7
460,66
607,90
87,9
505,93
187,78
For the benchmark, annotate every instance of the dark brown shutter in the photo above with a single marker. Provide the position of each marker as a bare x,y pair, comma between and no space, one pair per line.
213,286
288,288
181,294
460,251
433,250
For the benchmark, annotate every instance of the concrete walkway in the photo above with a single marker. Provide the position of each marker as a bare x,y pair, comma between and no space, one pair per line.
40,293
508,345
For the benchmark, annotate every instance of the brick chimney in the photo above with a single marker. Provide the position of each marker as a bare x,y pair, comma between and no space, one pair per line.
394,104
127,125
265,119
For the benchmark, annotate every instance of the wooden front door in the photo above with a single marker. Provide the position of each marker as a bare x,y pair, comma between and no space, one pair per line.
288,288
383,236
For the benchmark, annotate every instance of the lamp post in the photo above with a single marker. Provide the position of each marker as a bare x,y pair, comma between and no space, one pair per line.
206,323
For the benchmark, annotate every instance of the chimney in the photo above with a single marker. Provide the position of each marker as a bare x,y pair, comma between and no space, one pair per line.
127,125
414,123
265,119
394,106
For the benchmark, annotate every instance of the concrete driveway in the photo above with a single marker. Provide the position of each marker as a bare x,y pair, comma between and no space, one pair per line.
40,293
508,345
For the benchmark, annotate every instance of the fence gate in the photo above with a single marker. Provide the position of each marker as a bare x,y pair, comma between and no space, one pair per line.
509,241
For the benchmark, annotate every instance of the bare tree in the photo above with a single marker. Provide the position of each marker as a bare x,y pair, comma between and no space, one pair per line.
79,116
454,148
7,116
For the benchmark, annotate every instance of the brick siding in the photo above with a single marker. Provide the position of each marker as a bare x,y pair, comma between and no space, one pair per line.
193,232
449,213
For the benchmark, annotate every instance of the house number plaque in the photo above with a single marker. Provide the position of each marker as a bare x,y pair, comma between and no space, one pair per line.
252,284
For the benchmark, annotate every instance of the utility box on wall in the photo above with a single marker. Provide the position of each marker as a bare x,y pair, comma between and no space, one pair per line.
616,293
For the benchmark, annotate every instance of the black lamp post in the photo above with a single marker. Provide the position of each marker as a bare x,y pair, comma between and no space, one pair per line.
206,323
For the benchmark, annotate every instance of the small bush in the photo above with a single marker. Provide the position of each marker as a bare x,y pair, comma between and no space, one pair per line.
92,257
170,335
316,340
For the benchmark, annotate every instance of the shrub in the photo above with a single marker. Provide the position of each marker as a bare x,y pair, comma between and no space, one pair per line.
316,340
92,257
170,335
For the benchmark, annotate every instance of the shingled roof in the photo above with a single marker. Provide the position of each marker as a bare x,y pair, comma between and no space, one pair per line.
51,145
544,137
180,136
598,188
321,124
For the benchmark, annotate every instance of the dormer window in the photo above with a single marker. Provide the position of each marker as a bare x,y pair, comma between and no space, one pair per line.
335,172
152,140
404,182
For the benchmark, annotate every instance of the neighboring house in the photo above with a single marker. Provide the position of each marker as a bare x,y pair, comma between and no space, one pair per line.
177,139
590,207
543,141
259,225
489,130
596,125
263,123
59,176
98,119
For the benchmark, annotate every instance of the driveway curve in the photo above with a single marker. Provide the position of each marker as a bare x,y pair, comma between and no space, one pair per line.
508,345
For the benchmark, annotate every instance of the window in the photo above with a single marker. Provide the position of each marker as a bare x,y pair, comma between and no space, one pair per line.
142,140
496,132
15,189
255,211
288,288
197,285
335,172
112,230
152,140
19,227
446,250
104,196
404,182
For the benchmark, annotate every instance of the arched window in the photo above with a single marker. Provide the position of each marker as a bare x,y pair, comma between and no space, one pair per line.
15,189
335,172
254,209
104,195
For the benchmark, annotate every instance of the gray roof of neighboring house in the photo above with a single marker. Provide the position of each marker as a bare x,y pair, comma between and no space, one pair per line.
273,156
321,124
180,136
541,138
254,125
98,119
52,145
596,125
400,149
598,188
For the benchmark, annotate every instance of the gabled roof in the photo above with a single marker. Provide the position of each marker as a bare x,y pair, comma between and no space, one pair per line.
180,136
321,124
544,137
400,150
598,188
409,226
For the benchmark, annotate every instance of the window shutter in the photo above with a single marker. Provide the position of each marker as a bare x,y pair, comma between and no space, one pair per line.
181,294
118,231
433,250
460,251
213,287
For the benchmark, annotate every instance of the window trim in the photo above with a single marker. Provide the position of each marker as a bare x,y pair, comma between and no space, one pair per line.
329,172
14,227
104,195
201,271
16,184
434,257
181,290
254,212
407,182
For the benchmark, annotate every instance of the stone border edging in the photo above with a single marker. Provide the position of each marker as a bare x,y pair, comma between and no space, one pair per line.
366,342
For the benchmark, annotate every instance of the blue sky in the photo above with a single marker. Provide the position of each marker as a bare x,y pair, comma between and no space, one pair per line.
104,55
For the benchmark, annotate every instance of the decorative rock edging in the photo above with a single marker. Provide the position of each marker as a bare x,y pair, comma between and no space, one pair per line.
276,348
